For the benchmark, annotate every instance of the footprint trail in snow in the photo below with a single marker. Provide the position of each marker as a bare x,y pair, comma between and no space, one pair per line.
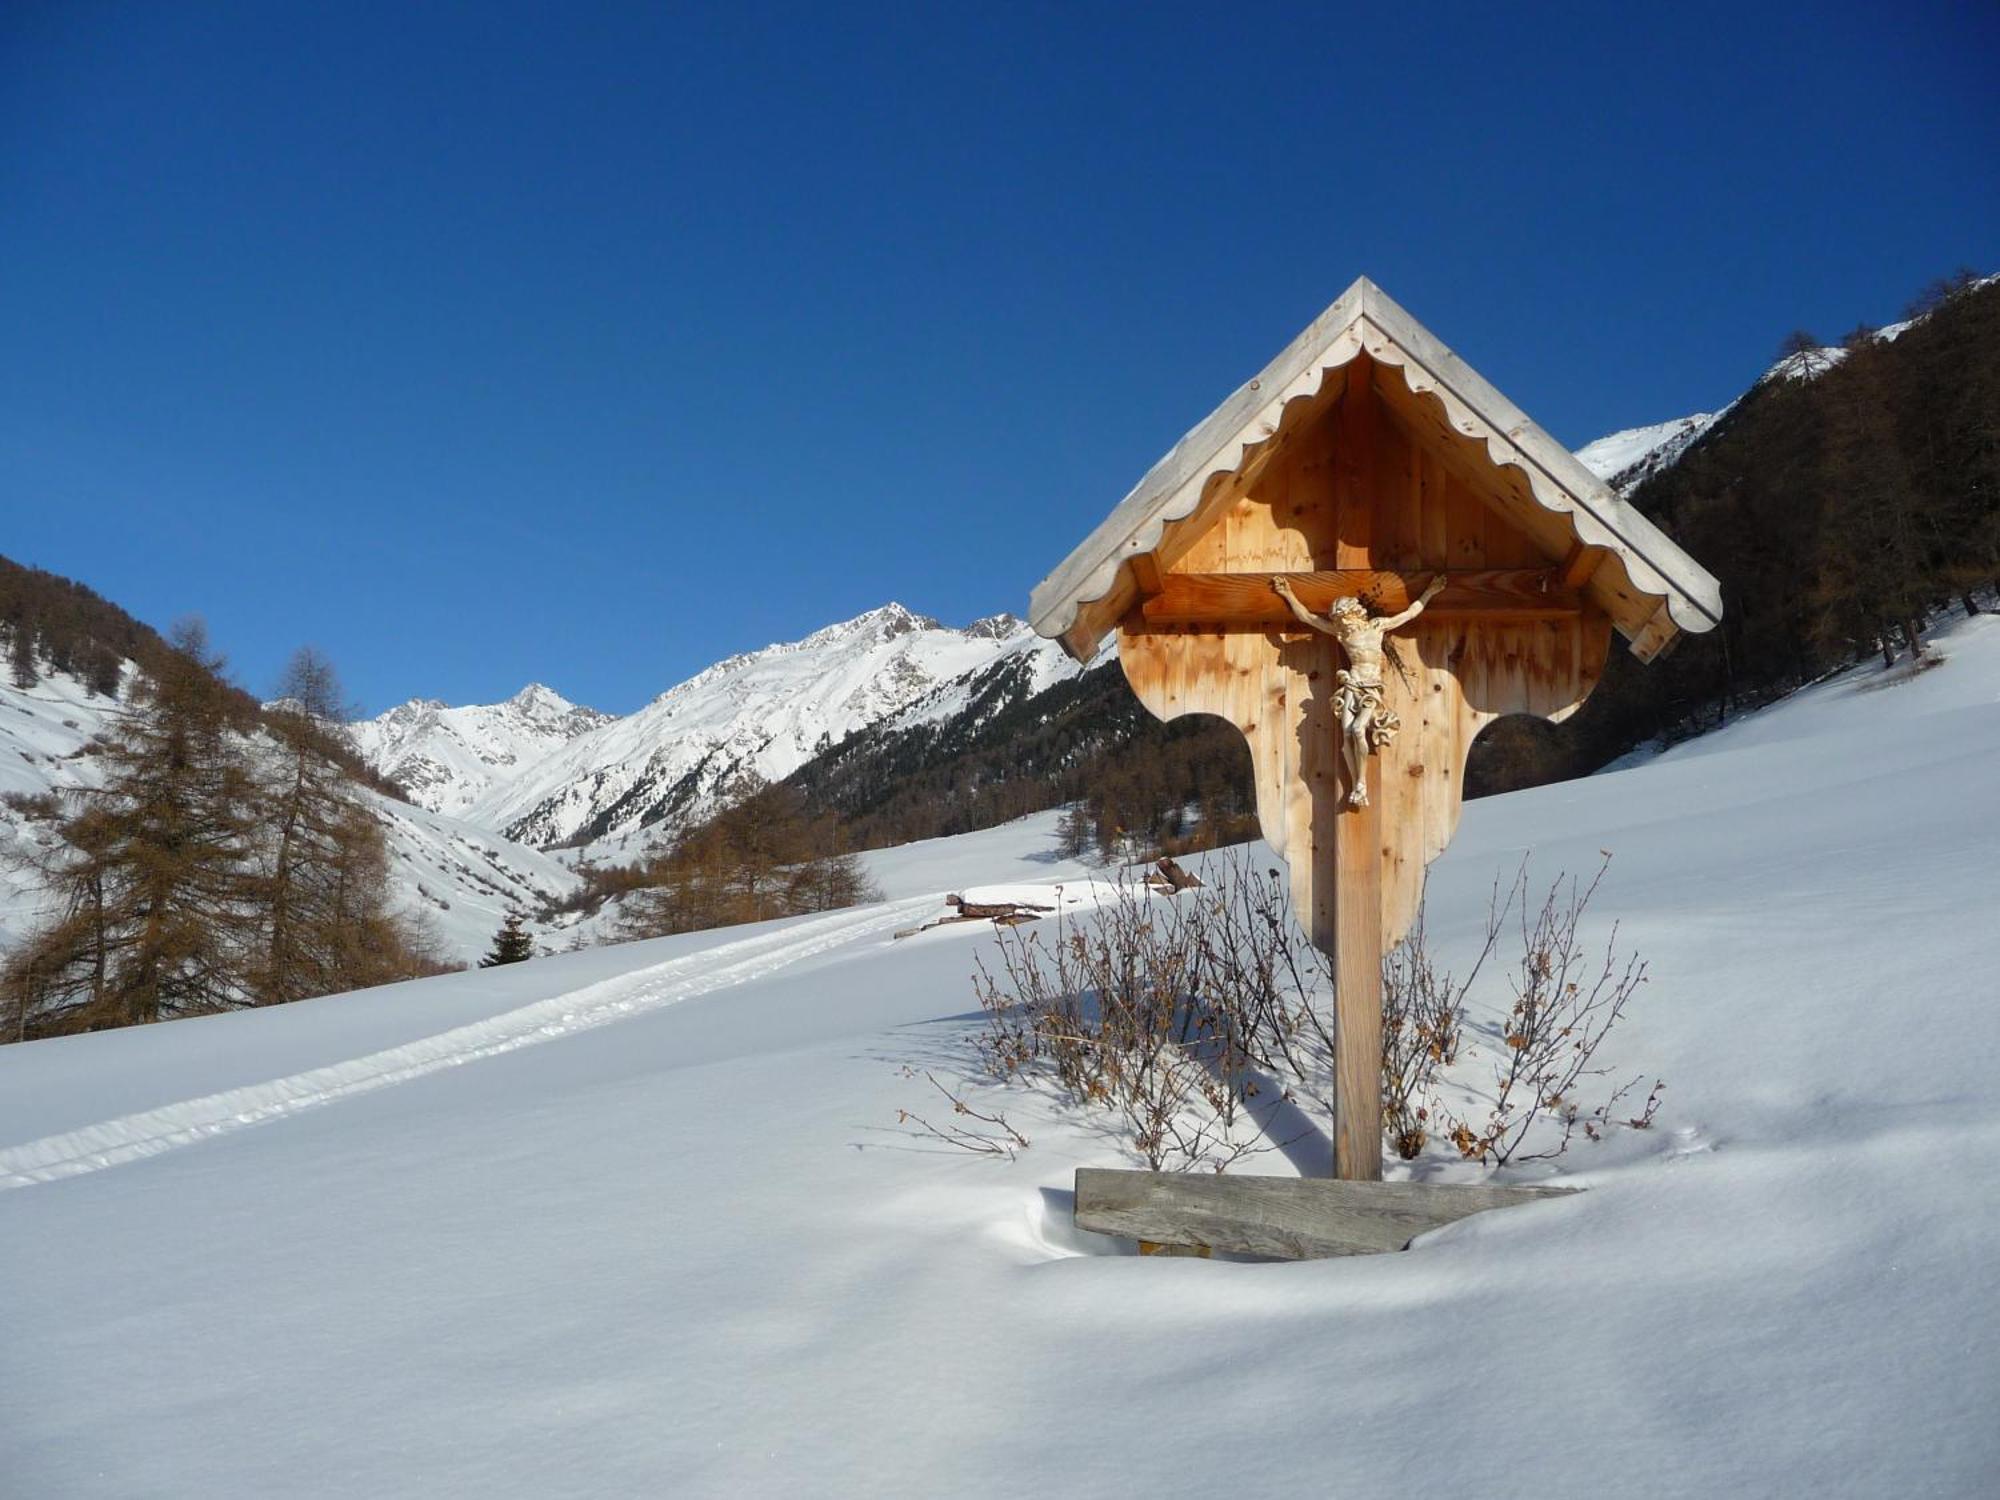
150,1132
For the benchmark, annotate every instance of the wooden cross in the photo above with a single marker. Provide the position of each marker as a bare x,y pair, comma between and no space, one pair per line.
1354,504
1366,459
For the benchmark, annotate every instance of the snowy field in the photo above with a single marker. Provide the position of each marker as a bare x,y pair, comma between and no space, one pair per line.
639,1221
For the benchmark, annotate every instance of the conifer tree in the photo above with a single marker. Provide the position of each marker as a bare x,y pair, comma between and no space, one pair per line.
148,887
322,896
21,653
511,944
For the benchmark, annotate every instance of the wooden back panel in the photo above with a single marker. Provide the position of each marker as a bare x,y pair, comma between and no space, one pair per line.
1360,489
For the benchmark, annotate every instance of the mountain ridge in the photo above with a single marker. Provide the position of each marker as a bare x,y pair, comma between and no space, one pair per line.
747,720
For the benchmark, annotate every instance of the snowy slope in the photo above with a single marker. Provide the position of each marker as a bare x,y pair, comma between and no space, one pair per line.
462,877
448,759
640,1221
750,719
1625,460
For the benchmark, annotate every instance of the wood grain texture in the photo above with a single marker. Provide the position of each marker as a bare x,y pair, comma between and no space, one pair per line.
1544,491
1358,502
1447,679
1247,599
1287,1218
1358,870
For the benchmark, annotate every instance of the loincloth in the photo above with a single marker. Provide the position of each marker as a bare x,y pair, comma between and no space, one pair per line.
1351,695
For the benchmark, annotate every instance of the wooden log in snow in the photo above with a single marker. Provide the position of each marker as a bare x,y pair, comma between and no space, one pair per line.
1287,1218
998,911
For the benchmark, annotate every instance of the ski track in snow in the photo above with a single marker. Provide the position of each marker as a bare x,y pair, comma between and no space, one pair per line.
150,1132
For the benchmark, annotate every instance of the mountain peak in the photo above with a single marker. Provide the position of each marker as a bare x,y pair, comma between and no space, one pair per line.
995,627
893,619
884,623
538,698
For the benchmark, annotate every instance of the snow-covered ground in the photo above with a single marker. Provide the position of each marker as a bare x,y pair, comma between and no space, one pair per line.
640,1220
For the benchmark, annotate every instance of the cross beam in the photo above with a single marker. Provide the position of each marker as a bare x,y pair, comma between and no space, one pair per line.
1247,599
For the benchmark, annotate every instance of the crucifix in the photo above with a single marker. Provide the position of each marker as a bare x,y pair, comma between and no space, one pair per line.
1366,725
1361,559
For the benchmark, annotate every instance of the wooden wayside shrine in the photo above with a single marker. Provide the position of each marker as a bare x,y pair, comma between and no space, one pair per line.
1368,462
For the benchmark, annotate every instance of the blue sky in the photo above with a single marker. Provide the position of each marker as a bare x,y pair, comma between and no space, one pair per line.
589,343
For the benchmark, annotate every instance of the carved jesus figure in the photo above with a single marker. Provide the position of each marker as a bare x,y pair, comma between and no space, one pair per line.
1365,724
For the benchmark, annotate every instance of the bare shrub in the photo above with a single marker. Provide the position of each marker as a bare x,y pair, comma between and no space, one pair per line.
999,1139
1198,1020
1567,997
1175,1014
1423,1028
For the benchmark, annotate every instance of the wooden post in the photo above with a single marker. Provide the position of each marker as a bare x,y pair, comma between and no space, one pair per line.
1357,1014
1355,836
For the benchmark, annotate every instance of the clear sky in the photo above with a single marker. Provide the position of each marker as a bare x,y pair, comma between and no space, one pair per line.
588,343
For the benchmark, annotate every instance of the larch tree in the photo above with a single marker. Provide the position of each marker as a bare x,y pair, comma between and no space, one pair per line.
148,886
323,904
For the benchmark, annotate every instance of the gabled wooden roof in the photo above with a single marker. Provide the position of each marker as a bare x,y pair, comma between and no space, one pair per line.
1650,588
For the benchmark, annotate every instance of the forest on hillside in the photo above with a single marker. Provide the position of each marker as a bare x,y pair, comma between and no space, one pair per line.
1841,505
52,624
221,855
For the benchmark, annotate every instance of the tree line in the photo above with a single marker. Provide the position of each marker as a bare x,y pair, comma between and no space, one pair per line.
1841,504
58,625
225,859
1085,741
766,856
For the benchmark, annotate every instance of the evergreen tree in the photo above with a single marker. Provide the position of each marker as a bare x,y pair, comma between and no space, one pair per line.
1075,832
21,653
511,944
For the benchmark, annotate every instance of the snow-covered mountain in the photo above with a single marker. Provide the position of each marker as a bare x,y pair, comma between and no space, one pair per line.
448,759
1625,460
465,879
746,721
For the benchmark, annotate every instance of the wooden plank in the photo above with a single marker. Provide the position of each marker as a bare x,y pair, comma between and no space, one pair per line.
1357,1001
1657,633
1544,486
1579,565
1354,469
1239,599
1146,574
1288,1218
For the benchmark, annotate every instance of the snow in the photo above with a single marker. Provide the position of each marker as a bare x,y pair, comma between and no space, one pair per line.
1624,459
448,759
640,1220
1023,851
550,777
